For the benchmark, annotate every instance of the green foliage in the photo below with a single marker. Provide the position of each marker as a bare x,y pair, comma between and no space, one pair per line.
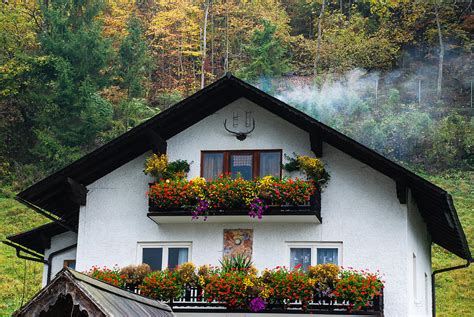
134,61
178,168
453,143
267,54
239,262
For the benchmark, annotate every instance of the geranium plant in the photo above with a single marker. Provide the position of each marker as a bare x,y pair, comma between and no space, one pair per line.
357,288
111,276
287,286
163,285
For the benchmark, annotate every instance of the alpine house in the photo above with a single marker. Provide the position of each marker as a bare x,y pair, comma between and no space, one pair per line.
237,151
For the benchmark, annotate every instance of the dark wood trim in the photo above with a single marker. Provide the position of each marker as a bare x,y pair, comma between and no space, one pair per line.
228,153
77,192
157,143
316,141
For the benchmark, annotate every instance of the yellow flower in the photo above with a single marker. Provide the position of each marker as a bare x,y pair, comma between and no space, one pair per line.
155,165
248,282
202,281
265,292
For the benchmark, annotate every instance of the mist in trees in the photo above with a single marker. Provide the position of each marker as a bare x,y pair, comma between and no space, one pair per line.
75,74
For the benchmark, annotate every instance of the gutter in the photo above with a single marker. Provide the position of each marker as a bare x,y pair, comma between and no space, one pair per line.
49,262
433,279
36,257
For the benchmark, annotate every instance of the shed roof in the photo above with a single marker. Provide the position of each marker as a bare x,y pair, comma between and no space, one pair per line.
435,204
94,297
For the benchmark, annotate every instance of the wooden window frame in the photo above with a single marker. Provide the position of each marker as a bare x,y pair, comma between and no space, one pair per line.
229,153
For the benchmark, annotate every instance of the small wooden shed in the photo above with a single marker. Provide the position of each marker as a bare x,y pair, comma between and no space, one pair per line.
75,294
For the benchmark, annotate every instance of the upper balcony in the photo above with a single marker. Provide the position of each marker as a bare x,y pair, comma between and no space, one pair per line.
228,200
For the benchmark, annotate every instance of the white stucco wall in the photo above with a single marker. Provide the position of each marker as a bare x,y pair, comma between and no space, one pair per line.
360,209
419,244
59,242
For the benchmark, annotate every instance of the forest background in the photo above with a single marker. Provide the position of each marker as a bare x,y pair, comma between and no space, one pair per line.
396,75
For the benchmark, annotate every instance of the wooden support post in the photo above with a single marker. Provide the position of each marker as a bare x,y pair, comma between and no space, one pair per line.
158,144
316,143
77,192
402,193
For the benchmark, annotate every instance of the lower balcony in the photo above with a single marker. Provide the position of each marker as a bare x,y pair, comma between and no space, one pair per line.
193,304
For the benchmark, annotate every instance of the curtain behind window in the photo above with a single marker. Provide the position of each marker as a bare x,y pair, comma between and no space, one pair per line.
326,255
270,164
213,165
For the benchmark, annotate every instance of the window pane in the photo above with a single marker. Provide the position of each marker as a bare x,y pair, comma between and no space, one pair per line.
212,165
70,264
270,164
242,164
300,256
153,257
326,255
177,256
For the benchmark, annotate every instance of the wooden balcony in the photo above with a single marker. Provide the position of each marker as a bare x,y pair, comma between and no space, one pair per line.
307,213
192,302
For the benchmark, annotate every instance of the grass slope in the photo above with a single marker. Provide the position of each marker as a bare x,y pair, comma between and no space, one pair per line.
14,218
455,290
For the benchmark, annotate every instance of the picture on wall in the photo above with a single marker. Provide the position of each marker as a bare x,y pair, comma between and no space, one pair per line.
238,241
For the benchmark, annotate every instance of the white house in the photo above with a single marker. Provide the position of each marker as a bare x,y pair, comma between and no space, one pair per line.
373,214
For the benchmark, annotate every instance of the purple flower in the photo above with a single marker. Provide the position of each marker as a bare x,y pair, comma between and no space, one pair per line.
257,304
201,208
257,207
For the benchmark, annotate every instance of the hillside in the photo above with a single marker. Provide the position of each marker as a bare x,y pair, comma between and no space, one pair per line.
455,290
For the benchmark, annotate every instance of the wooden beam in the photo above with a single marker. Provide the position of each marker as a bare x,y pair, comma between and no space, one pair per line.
402,193
77,192
316,143
158,144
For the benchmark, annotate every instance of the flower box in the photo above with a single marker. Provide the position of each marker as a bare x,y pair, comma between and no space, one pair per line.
234,200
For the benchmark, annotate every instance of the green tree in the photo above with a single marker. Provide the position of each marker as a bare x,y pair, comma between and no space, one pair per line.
267,54
72,38
134,60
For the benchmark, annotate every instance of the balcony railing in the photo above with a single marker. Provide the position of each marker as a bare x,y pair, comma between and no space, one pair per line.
310,212
192,301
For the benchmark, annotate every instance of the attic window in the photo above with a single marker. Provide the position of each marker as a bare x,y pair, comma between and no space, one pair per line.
247,164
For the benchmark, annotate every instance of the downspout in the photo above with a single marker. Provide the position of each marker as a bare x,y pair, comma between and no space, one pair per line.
433,279
49,263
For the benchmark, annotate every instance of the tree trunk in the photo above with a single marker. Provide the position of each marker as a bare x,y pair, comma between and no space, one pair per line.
318,47
204,39
212,40
226,59
441,56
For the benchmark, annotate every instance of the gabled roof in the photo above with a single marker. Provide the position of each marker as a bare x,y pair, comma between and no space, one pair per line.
90,296
435,204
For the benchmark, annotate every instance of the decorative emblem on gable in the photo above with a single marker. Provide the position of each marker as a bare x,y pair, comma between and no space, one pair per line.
249,122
